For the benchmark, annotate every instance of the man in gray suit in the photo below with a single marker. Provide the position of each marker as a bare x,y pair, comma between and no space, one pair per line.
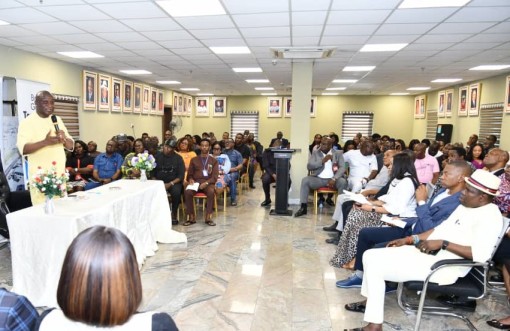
326,168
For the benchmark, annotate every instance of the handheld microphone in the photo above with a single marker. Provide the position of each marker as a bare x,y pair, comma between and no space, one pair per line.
54,120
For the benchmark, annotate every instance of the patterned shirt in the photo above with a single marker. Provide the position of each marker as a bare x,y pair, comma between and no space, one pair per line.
16,312
503,200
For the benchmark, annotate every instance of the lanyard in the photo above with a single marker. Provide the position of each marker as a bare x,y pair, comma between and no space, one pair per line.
204,163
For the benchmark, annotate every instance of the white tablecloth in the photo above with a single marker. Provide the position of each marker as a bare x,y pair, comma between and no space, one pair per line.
39,241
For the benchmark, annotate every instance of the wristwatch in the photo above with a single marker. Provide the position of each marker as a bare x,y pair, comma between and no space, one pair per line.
445,244
76,170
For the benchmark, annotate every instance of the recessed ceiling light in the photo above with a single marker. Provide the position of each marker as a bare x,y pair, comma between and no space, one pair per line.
399,93
268,94
336,88
190,89
446,80
329,93
183,8
359,68
264,89
432,3
419,88
491,67
345,80
4,23
135,72
81,55
205,94
230,50
168,82
247,69
255,81
382,47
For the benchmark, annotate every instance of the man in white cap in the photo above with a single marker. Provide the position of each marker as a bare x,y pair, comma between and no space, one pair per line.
470,232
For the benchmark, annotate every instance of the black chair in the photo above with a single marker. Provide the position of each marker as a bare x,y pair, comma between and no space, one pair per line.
473,286
9,202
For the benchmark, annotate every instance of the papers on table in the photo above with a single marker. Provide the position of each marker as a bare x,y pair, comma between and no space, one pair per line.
357,197
393,221
193,187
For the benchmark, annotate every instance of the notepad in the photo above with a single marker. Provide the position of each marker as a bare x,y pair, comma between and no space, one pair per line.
393,221
357,197
193,187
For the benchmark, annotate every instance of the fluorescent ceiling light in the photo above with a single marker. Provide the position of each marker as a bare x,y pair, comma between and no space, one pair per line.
329,93
190,89
230,50
446,80
268,94
247,69
81,55
491,67
359,68
205,94
419,88
168,82
382,47
264,89
4,23
336,88
345,80
183,8
136,72
255,81
399,93
432,3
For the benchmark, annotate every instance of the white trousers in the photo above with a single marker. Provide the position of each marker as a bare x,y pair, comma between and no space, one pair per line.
338,214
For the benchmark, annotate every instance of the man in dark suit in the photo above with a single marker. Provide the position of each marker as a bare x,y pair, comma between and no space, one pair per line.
284,143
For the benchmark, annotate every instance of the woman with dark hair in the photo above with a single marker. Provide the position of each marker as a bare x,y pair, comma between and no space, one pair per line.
315,143
80,166
349,145
196,143
100,287
185,150
128,171
335,145
223,168
399,201
400,145
476,155
412,143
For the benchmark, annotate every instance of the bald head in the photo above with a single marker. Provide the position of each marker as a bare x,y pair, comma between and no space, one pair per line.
44,103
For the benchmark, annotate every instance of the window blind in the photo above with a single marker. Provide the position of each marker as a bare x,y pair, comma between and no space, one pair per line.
431,124
244,120
67,108
354,122
491,119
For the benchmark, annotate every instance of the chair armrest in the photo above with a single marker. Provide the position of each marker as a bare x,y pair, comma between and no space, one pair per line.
457,262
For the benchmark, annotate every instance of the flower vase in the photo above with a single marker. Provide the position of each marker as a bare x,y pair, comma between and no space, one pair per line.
143,175
49,207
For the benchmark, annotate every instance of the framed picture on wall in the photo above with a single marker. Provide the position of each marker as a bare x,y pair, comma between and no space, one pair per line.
507,95
154,100
181,104
202,107
161,102
474,99
313,107
146,106
287,105
127,106
104,92
117,95
137,106
190,106
419,106
440,103
220,107
274,107
463,97
89,90
174,104
449,103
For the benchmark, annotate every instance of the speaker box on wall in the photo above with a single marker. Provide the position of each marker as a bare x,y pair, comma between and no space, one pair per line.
444,132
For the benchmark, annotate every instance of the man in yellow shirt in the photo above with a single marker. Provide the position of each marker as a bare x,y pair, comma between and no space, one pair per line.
41,142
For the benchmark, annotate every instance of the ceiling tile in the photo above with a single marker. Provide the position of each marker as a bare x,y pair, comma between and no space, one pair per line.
452,28
309,18
269,42
422,15
261,20
306,31
52,28
38,40
206,22
305,41
307,5
138,45
185,51
85,38
101,26
181,44
102,46
10,4
396,39
74,12
215,33
123,10
363,4
358,17
350,30
168,35
15,31
121,36
488,14
153,24
501,38
454,38
24,15
399,29
234,42
259,6
347,42
270,32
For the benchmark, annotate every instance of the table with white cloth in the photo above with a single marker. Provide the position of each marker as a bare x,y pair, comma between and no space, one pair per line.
39,241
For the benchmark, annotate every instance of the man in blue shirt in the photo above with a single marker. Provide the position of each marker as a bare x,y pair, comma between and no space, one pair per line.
16,312
236,165
107,166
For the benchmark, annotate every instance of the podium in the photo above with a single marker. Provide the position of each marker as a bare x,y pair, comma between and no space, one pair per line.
282,157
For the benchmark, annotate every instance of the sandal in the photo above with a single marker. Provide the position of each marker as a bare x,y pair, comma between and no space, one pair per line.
190,220
357,307
498,325
210,223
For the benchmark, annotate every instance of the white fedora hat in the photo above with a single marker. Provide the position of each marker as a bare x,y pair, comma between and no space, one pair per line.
484,181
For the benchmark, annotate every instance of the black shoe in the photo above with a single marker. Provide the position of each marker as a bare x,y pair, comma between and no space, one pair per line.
330,202
331,228
498,278
333,241
456,302
300,212
265,203
175,222
252,186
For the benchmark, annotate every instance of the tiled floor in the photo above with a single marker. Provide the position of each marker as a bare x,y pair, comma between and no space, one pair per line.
259,272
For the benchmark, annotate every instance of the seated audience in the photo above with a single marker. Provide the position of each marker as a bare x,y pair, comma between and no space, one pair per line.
16,312
490,143
128,170
399,201
503,199
426,165
92,149
475,155
202,170
236,166
80,166
315,143
269,175
284,143
107,166
362,166
123,146
100,287
472,141
495,161
184,149
223,168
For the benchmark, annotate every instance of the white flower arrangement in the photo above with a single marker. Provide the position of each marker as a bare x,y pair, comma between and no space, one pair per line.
49,182
144,161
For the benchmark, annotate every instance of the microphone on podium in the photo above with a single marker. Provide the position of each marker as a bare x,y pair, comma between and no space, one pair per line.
54,120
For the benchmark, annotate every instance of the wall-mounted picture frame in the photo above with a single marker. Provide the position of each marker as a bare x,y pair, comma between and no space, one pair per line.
190,106
161,102
117,95
181,104
463,101
313,107
103,91
127,106
202,107
474,99
274,107
146,103
287,105
154,101
185,104
441,95
507,95
420,106
138,104
89,90
174,105
219,106
449,103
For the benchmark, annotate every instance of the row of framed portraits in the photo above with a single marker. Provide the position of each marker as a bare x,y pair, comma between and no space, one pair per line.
204,106
469,102
274,107
106,93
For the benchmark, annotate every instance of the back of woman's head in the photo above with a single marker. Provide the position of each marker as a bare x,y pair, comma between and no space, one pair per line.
100,283
403,164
